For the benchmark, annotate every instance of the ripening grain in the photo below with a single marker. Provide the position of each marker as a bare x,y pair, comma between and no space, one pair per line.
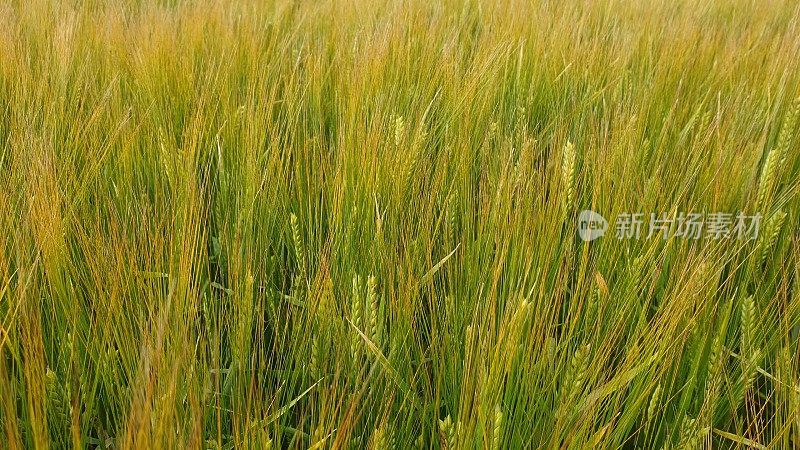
354,224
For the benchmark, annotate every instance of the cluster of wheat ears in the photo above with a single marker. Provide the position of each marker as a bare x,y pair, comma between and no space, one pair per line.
353,224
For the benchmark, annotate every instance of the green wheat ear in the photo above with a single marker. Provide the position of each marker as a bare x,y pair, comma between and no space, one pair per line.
399,130
493,128
313,363
497,430
568,175
653,405
692,434
715,371
786,134
381,438
57,405
356,316
749,353
576,374
372,303
768,238
767,180
776,158
300,253
447,433
452,216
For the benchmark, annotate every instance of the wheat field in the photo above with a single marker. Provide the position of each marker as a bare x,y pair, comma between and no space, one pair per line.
359,224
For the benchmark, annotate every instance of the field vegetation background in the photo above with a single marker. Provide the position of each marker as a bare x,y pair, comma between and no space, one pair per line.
353,224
